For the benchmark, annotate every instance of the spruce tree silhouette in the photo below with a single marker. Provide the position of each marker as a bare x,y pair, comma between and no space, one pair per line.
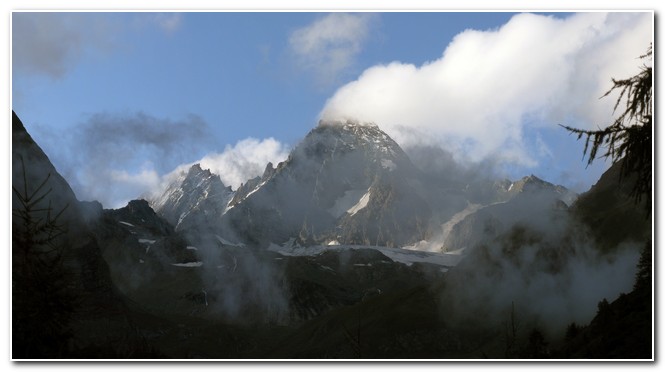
628,139
42,306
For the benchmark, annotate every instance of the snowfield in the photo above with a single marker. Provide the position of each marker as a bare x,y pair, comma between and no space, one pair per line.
188,264
405,256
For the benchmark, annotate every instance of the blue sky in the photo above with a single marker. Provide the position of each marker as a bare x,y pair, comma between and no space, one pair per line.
228,68
120,100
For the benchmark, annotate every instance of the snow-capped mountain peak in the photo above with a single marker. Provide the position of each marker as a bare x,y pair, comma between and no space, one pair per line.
350,135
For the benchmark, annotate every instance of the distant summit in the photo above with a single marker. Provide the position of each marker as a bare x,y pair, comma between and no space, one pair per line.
196,192
345,182
532,186
522,202
346,122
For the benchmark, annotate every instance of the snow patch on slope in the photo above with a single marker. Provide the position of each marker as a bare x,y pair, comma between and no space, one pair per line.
346,202
226,242
188,264
425,246
457,218
255,189
436,244
362,203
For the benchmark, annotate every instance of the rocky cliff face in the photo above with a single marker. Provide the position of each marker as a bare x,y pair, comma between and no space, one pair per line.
251,186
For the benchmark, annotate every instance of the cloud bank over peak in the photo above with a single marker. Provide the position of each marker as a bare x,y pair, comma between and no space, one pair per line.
489,87
244,160
235,165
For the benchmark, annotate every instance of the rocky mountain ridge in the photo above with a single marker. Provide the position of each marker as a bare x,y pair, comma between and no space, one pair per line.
195,194
345,183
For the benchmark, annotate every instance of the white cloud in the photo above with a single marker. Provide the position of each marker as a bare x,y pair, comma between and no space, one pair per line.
168,22
246,160
145,178
236,164
330,45
489,86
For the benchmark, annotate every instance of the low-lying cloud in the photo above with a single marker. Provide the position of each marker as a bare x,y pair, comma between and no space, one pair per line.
115,137
50,43
113,158
542,265
489,87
